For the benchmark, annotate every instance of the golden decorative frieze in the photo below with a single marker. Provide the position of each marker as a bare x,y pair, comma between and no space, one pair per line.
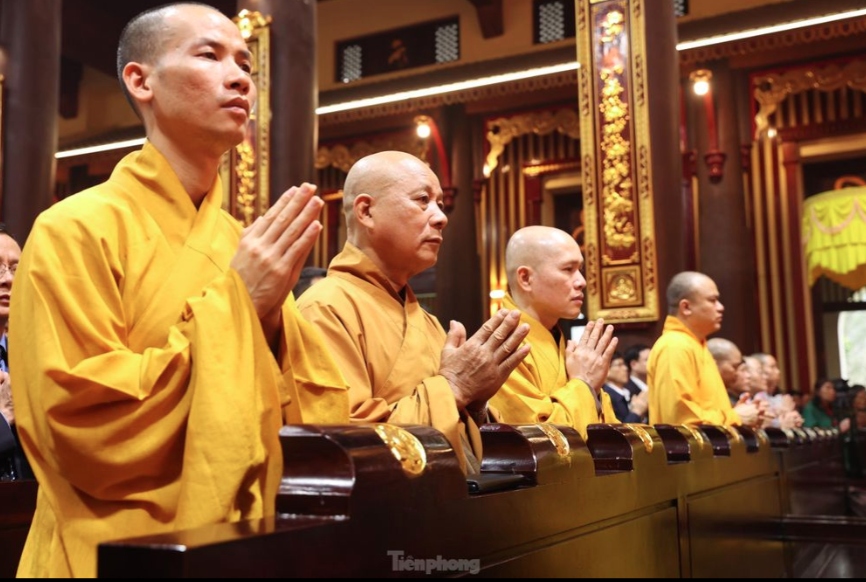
407,106
342,156
501,131
773,42
772,89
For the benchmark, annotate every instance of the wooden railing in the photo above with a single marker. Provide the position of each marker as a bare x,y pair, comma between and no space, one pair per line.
632,501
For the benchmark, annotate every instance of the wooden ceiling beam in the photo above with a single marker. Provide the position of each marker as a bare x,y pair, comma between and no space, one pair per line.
490,18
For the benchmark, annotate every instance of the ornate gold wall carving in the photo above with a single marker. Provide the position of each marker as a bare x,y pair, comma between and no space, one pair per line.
614,122
245,169
501,131
522,146
342,156
773,89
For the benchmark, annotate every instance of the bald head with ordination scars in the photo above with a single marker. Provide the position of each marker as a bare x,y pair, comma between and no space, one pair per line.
394,213
543,266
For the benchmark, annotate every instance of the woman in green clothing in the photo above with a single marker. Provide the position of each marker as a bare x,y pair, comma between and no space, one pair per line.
822,411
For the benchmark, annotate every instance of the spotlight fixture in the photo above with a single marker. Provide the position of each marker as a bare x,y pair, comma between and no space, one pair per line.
700,79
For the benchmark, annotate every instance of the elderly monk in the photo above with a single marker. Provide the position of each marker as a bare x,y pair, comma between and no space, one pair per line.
685,386
400,365
560,381
154,353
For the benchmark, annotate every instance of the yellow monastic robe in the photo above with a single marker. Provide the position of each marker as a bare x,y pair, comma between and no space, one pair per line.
388,349
685,386
146,395
539,390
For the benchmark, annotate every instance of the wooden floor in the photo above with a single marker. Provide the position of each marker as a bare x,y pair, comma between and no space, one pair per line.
833,561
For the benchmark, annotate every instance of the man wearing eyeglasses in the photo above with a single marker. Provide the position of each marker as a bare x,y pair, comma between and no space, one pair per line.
13,462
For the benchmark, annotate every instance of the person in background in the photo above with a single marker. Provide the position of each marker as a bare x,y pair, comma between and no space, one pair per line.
685,386
732,368
858,405
779,411
627,407
636,358
13,462
154,353
560,381
401,365
309,276
772,373
822,410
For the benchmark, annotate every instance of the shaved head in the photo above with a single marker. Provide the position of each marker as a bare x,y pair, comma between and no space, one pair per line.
723,350
375,175
531,246
683,286
144,36
543,266
394,213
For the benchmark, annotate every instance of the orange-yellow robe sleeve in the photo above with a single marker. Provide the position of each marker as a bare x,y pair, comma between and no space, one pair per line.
147,397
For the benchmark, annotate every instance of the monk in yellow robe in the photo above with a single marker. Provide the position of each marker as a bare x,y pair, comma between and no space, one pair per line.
560,381
685,386
155,346
400,364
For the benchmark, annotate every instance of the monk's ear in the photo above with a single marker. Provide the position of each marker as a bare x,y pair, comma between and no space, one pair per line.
523,278
685,307
137,81
363,209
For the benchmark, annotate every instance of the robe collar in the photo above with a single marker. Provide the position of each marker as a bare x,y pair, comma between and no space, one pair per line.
675,325
351,260
164,196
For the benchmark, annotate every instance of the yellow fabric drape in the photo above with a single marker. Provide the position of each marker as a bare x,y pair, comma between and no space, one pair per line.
834,236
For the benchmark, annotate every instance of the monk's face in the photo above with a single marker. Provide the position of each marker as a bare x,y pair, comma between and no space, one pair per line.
201,86
705,310
408,218
557,283
733,371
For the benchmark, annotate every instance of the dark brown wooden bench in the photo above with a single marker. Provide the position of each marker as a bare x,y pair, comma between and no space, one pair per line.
360,501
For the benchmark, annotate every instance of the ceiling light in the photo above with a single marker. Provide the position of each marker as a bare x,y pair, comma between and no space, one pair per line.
129,143
448,88
701,42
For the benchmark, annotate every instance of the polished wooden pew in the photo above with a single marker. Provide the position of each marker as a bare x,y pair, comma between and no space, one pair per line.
634,500
682,501
17,503
822,538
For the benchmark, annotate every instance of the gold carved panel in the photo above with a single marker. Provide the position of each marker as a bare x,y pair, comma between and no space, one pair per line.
617,162
245,169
